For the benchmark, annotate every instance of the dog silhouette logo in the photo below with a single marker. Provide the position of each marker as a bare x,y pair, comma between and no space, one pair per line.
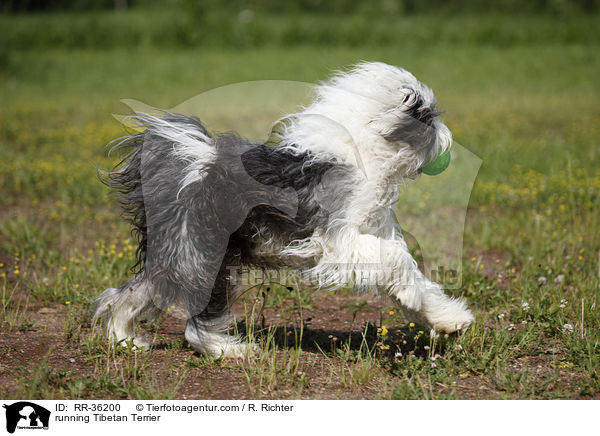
26,415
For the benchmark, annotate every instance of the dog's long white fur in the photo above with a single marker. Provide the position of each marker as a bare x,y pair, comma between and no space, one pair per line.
347,123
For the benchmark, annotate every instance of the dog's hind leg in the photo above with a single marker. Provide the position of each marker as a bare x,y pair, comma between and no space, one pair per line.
206,331
209,337
118,309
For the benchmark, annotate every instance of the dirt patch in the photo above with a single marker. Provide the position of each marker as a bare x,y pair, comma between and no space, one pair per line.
46,345
333,327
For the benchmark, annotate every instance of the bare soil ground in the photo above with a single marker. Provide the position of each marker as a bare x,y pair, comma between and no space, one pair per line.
333,328
328,324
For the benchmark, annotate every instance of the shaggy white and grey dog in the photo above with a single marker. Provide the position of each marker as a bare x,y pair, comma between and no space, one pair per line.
320,199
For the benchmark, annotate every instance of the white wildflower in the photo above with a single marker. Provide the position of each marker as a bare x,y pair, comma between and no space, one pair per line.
567,328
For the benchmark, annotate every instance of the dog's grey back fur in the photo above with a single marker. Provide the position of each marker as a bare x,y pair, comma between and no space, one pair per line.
247,192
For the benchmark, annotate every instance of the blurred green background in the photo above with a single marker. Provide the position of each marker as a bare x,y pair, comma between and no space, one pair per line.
518,80
194,23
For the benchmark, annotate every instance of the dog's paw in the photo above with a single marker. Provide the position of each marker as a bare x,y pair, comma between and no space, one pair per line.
219,345
242,350
228,350
442,314
142,343
137,343
453,317
455,325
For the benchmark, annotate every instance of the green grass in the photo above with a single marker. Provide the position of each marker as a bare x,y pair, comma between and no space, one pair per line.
528,108
172,26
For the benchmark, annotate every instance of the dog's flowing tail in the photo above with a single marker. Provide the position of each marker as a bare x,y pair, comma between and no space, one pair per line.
126,181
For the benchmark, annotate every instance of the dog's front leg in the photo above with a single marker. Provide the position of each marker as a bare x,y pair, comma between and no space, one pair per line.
398,275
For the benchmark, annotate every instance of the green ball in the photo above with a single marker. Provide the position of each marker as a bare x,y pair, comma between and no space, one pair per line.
438,165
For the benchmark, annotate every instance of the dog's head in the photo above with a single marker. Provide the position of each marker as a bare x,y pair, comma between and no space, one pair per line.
389,117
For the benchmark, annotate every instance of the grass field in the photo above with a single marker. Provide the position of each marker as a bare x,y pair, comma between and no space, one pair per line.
528,108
